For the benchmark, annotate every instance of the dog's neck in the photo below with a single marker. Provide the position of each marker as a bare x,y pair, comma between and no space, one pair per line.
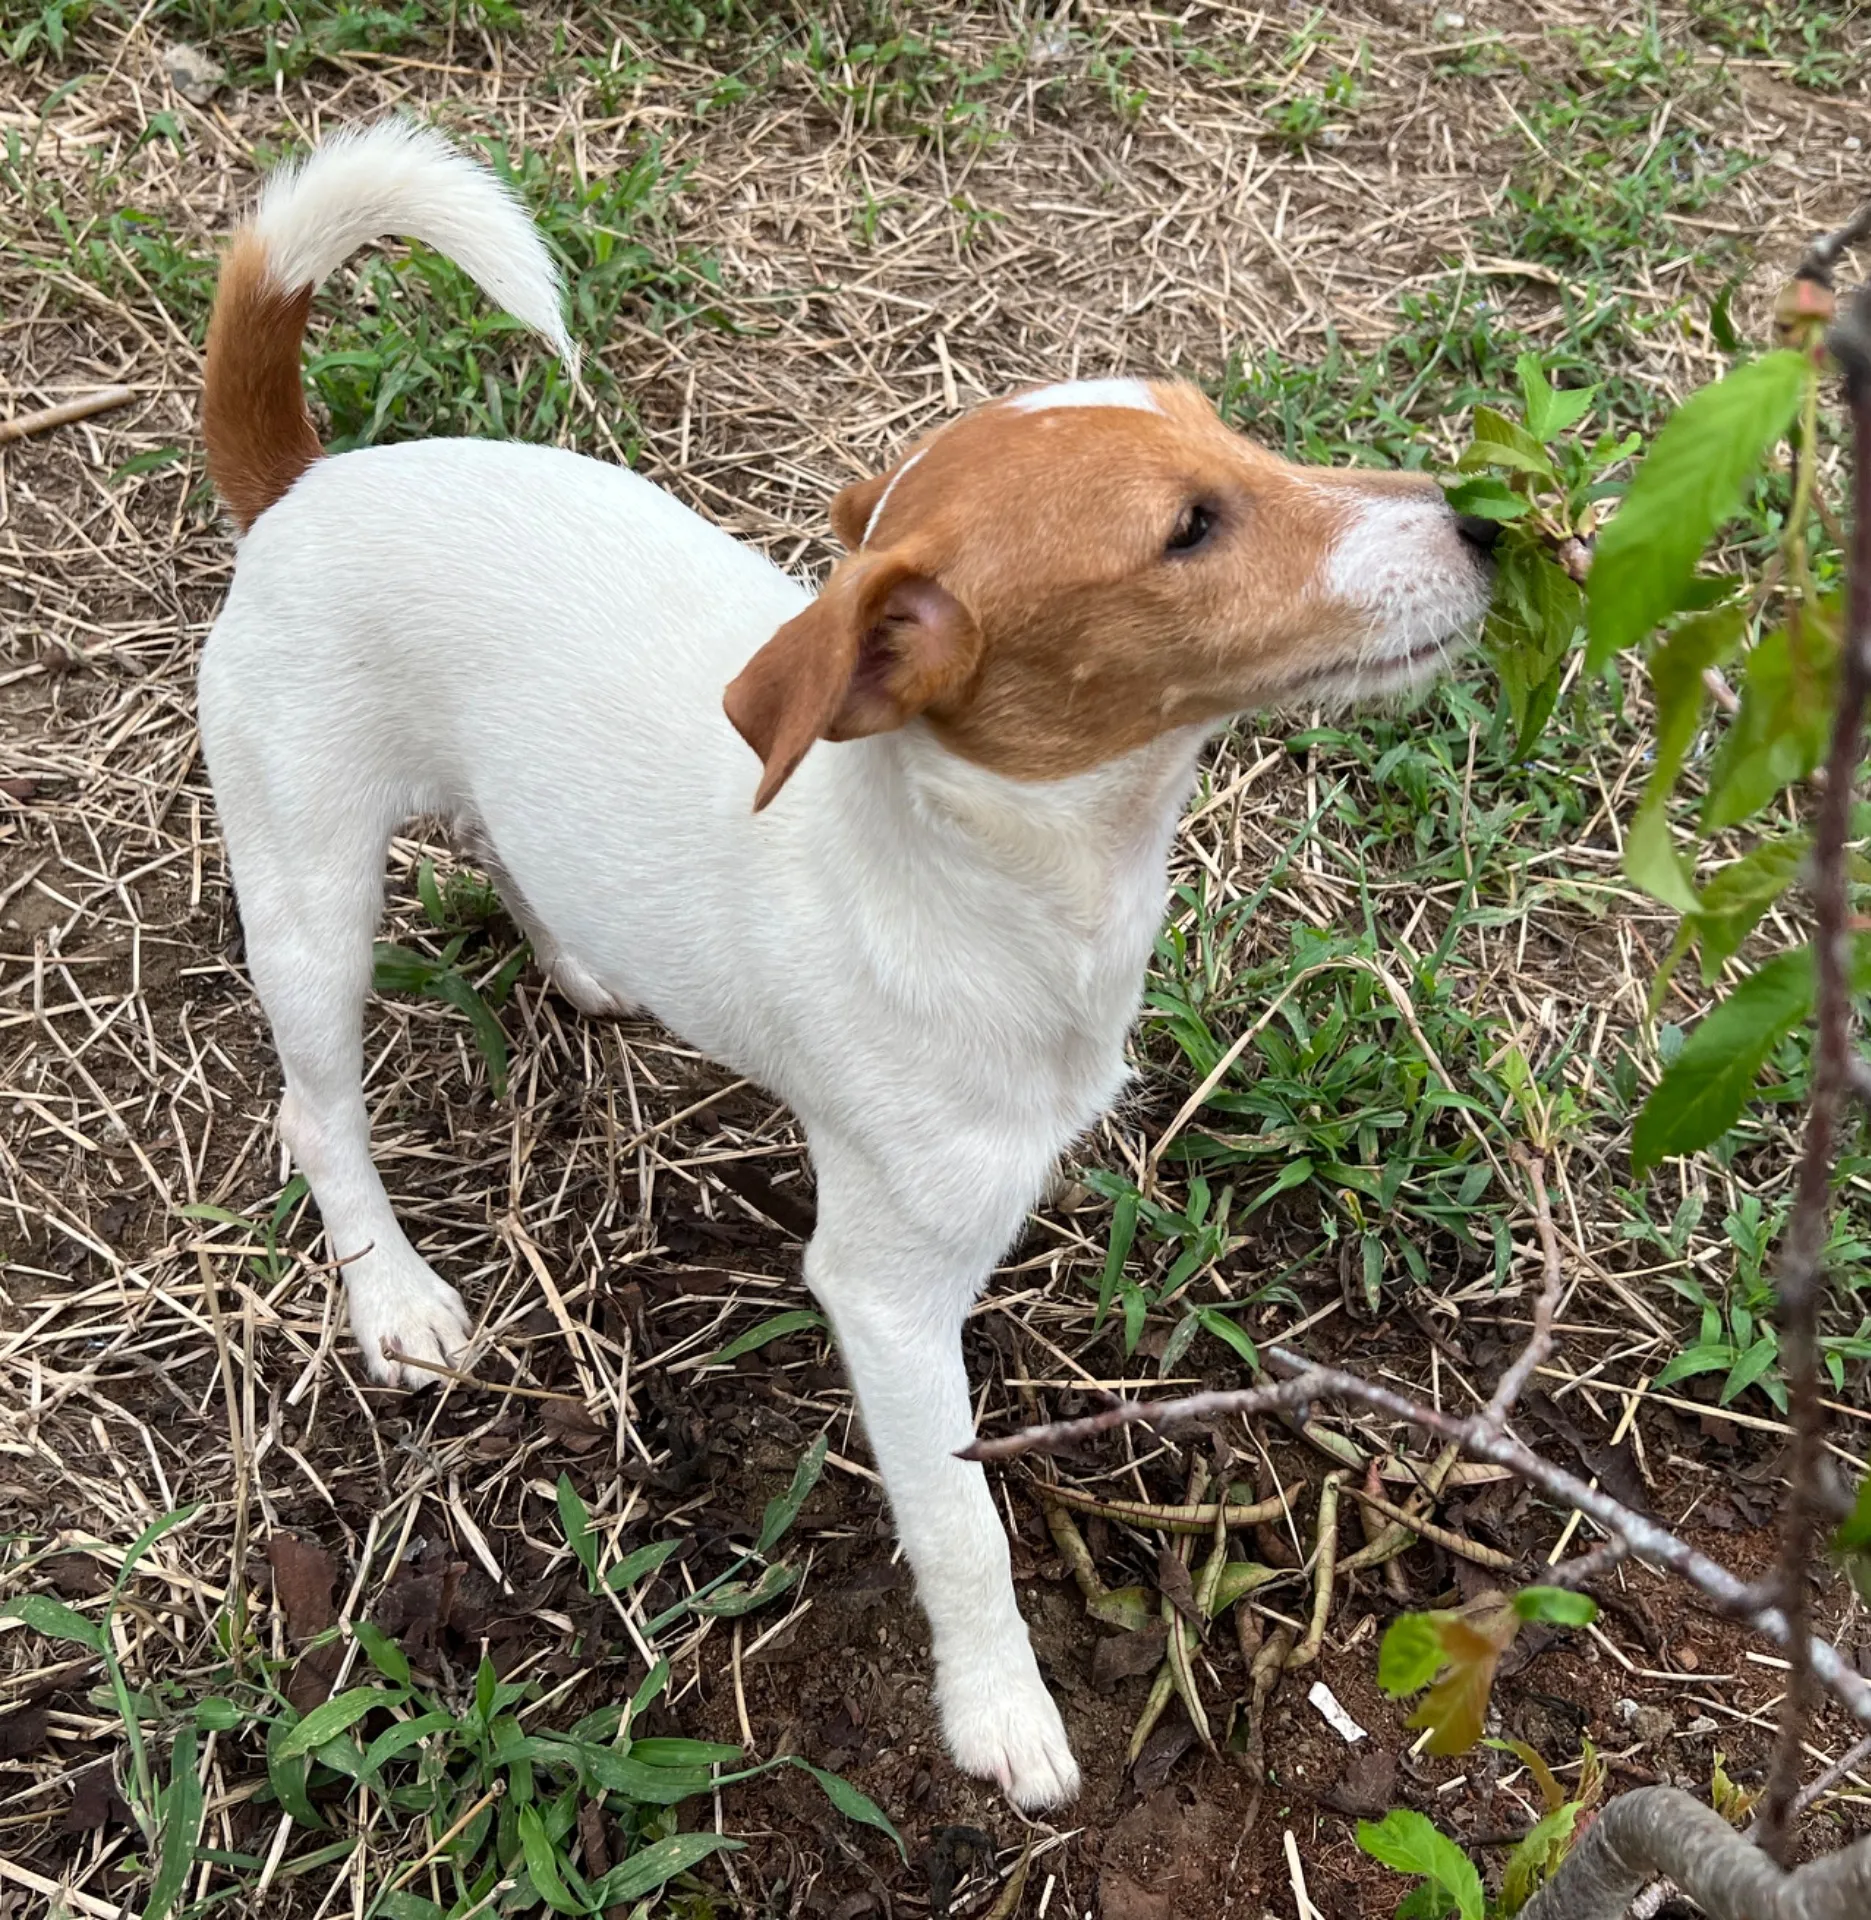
1061,881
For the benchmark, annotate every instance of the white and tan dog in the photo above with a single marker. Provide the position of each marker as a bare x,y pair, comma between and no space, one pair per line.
929,938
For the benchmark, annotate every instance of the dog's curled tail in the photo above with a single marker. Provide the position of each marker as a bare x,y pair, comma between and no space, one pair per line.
391,178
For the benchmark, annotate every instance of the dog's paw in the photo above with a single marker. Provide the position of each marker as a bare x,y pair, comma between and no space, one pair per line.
405,1310
999,1722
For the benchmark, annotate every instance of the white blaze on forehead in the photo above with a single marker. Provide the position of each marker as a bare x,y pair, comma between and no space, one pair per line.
1134,394
883,499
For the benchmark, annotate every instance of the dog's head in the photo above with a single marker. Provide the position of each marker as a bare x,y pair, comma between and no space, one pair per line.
1057,578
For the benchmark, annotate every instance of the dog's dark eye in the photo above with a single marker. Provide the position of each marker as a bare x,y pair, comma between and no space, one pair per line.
1196,524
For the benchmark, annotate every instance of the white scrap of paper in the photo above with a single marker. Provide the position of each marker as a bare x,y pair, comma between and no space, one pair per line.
1335,1716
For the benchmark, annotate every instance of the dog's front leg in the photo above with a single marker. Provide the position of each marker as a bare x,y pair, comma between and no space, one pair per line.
896,1299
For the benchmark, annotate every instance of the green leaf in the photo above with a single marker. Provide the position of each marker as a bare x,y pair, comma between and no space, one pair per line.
1550,410
1410,1656
398,1739
794,1320
1214,1321
741,1596
328,1720
1557,1606
1535,617
1736,897
54,1619
162,1524
661,1752
542,1865
180,1828
1689,484
784,1510
1123,1236
489,1035
1537,1856
1652,862
1507,441
381,1651
1487,498
1781,731
650,1867
575,1519
639,1565
1707,1358
286,1774
1758,1360
1701,1095
854,1805
1408,1843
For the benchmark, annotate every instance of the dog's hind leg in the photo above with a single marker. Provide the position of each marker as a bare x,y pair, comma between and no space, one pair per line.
308,877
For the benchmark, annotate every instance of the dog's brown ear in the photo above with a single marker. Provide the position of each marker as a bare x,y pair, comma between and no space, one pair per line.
852,508
880,644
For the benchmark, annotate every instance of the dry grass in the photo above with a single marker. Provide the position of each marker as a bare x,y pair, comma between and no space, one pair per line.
612,1221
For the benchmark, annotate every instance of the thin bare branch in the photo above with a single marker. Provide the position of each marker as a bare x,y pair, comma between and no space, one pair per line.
1539,1345
1648,1540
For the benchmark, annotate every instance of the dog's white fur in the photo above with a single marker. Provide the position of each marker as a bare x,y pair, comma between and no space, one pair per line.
935,966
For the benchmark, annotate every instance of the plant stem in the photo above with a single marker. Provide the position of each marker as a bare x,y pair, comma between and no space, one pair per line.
1801,1280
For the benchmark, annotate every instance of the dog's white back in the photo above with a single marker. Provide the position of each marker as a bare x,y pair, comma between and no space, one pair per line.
927,933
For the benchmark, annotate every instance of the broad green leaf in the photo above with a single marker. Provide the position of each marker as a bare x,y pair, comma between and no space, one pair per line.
1493,453
1676,669
1702,1093
661,1752
1550,410
180,1828
217,1714
794,1320
1652,862
650,1786
1236,1581
1214,1321
286,1774
1508,441
1557,1606
1688,486
1736,897
784,1510
650,1867
489,1035
575,1519
1123,1235
742,1596
639,1565
1758,1360
54,1619
382,1652
543,1865
401,1737
1487,497
1410,1656
1427,1900
1535,616
1537,1857
329,1719
1408,1843
1703,1358
854,1805
1780,734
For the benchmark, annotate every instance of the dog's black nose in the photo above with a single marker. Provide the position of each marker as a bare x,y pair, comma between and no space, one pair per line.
1479,533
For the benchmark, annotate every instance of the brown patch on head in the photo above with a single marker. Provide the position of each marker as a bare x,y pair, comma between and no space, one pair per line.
1126,568
254,417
